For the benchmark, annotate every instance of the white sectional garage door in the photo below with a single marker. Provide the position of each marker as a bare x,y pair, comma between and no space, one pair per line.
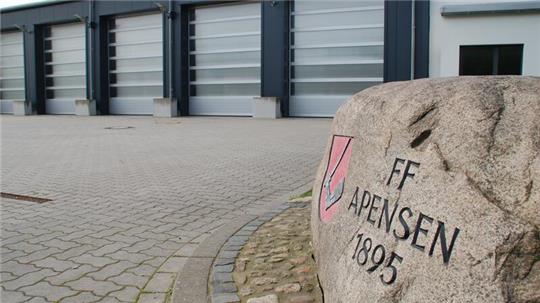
136,63
11,70
65,67
225,59
336,51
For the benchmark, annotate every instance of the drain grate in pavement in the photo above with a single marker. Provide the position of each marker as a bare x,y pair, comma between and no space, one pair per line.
119,127
24,198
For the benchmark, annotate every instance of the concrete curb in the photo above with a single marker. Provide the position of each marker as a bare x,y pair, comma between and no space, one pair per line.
191,282
203,267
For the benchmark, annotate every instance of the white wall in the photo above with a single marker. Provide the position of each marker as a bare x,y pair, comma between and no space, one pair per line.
448,33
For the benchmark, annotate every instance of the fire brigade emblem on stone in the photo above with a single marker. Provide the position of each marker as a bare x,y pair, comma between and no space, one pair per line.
334,178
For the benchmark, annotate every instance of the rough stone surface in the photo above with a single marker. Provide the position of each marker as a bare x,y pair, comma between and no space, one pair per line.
264,299
477,142
255,276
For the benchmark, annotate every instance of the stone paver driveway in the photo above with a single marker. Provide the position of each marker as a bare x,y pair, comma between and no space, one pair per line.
125,200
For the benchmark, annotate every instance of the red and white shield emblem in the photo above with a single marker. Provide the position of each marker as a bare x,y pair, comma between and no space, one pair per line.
334,177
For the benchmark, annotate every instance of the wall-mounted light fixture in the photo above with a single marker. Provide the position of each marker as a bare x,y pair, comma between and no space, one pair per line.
81,19
161,7
84,20
22,28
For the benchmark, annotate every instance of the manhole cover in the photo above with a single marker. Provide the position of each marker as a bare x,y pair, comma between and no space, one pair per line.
119,127
24,198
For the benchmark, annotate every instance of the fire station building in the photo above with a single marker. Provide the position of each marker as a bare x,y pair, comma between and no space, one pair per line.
248,58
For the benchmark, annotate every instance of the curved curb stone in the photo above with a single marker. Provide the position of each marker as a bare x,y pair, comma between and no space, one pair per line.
221,281
192,279
191,285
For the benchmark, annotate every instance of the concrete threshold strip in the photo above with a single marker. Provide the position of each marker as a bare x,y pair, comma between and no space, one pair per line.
24,198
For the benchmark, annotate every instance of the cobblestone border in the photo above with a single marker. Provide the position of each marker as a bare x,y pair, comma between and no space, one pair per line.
220,282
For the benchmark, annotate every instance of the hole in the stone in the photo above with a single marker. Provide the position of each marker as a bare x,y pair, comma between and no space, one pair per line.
421,138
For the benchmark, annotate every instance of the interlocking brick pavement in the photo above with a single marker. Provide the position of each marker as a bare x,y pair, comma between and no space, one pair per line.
125,201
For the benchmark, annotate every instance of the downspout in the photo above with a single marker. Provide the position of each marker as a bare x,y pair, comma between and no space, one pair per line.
170,16
90,26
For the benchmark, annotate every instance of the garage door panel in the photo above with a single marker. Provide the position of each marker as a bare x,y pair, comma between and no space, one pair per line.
136,63
66,92
348,54
139,77
235,74
312,6
226,43
139,64
315,106
130,106
324,87
142,50
11,49
224,27
138,34
225,89
6,106
225,59
221,106
66,81
69,43
65,67
147,20
72,56
60,106
70,69
15,94
327,19
213,13
340,36
139,91
339,71
337,50
12,82
11,70
236,57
